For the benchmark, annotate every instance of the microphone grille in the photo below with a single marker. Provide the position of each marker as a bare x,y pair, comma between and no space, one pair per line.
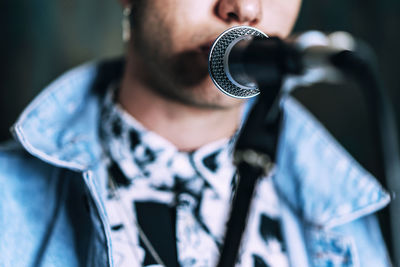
216,66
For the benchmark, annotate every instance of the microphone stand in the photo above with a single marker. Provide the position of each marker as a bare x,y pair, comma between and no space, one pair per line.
254,154
255,150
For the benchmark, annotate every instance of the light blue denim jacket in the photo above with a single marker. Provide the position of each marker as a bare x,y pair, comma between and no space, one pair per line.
51,183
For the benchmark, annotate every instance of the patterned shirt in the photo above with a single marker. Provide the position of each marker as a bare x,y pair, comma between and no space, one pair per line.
157,193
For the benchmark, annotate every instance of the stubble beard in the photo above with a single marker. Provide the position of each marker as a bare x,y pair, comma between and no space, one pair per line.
180,77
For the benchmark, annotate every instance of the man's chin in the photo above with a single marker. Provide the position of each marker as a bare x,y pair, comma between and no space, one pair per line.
206,95
190,69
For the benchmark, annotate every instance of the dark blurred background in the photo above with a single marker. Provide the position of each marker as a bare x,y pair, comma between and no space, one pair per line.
42,39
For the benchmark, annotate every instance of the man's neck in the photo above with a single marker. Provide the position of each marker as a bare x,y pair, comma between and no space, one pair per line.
187,127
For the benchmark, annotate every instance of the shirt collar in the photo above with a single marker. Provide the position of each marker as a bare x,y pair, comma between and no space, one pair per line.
140,152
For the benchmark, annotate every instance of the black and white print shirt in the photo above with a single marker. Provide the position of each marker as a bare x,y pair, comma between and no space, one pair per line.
158,195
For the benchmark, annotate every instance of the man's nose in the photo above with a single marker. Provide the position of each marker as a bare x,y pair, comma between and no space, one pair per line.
240,11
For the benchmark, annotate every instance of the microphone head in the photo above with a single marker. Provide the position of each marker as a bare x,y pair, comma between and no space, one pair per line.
217,61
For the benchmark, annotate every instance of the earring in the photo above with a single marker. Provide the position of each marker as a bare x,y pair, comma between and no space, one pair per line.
126,24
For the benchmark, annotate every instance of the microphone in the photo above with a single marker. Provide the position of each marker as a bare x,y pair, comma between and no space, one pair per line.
243,59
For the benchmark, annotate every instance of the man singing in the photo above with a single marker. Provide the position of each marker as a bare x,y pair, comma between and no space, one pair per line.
129,162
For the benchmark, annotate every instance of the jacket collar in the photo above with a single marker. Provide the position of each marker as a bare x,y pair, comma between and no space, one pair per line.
318,178
60,125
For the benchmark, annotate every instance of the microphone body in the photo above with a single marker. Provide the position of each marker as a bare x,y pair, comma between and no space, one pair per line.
240,65
259,62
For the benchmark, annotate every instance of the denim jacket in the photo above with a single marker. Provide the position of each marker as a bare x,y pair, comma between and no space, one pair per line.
51,183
